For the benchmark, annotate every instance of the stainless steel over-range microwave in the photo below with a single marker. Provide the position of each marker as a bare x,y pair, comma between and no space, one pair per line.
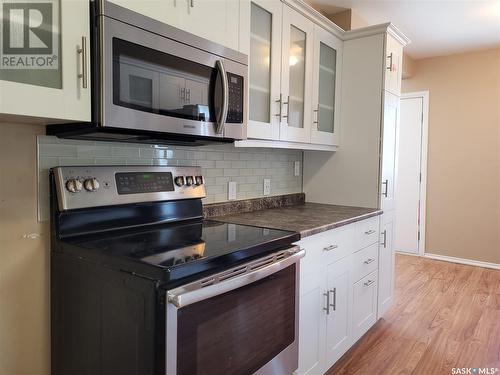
152,82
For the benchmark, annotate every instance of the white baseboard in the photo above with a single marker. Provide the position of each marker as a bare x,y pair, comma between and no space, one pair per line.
468,262
405,253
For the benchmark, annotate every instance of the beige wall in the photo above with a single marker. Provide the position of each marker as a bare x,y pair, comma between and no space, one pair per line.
24,261
463,189
348,20
408,66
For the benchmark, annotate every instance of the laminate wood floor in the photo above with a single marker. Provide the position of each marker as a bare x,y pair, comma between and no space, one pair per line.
445,316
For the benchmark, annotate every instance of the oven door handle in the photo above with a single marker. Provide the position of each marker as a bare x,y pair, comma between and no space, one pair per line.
181,297
221,120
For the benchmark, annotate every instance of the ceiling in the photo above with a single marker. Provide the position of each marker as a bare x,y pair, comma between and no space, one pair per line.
435,27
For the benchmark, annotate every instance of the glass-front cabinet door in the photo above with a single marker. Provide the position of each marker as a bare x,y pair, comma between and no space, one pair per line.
326,88
296,74
265,67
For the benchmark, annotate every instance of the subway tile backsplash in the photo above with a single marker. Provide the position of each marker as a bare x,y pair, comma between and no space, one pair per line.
221,163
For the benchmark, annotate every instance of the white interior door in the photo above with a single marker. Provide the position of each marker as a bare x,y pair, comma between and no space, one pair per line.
409,170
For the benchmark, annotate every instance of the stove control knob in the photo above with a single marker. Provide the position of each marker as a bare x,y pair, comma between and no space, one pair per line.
199,180
179,181
91,184
189,180
74,185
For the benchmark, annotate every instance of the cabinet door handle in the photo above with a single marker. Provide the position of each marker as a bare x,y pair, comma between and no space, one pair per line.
83,52
368,261
384,234
368,232
287,103
191,3
390,57
279,101
386,192
369,282
327,308
317,115
331,247
334,304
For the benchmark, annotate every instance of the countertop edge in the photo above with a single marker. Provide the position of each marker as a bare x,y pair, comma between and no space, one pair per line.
338,224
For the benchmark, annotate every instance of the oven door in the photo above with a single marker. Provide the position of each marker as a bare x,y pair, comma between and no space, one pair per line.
153,83
242,321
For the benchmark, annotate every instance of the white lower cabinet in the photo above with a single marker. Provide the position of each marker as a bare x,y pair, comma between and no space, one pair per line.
311,324
338,320
364,311
338,293
386,263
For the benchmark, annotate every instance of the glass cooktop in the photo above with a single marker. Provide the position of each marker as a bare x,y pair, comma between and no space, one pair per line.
190,247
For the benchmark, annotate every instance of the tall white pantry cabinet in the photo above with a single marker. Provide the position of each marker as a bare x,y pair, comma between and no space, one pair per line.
361,173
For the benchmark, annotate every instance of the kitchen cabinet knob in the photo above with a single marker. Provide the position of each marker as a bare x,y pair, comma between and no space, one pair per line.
368,261
369,282
368,232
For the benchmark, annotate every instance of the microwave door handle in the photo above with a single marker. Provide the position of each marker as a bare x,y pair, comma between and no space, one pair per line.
221,120
180,297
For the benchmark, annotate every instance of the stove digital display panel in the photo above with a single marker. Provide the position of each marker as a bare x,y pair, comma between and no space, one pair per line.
144,182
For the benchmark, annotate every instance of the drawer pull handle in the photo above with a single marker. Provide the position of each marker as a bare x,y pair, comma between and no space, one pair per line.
368,261
369,282
331,247
368,232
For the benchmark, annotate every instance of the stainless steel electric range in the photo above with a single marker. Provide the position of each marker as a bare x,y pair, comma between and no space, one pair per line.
141,284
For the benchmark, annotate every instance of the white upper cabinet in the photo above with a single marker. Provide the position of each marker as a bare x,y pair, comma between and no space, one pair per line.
215,20
167,11
265,68
59,94
294,87
326,88
394,65
296,76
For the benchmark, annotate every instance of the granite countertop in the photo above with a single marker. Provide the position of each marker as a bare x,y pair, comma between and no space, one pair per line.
305,218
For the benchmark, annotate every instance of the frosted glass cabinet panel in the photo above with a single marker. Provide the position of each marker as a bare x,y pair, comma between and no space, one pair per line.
265,60
326,88
260,67
296,76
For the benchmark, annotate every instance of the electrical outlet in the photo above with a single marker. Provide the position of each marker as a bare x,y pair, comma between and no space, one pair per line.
296,168
267,186
231,191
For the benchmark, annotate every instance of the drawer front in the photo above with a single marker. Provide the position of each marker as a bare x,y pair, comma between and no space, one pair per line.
324,248
365,261
364,305
367,232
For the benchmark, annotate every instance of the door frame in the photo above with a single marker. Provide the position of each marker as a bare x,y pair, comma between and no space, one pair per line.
423,163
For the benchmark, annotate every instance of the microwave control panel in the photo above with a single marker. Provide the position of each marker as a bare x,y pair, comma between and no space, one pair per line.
235,110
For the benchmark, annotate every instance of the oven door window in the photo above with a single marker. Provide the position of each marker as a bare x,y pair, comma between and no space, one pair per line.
240,331
148,80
